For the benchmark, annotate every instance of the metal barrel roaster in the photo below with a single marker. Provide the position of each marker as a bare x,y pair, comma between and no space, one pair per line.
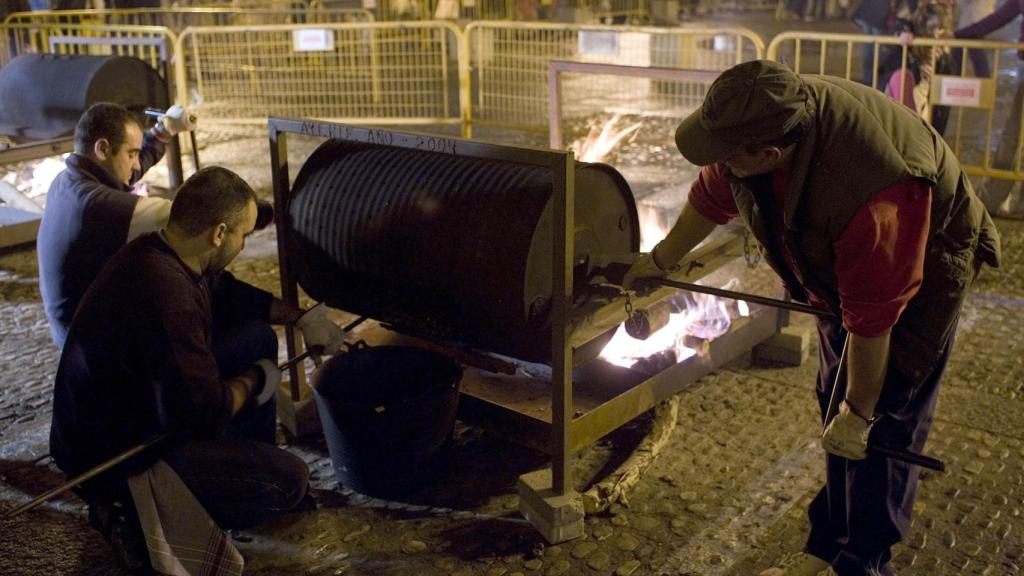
44,95
455,249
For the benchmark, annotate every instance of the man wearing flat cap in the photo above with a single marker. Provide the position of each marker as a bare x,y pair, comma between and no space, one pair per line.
864,211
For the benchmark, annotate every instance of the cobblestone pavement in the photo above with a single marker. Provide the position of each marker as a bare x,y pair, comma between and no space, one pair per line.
725,497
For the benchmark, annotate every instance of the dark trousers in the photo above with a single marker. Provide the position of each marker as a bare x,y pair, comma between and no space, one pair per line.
865,506
979,61
867,57
242,478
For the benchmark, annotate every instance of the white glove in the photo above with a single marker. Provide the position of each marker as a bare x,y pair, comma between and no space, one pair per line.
271,380
321,335
847,434
645,267
178,119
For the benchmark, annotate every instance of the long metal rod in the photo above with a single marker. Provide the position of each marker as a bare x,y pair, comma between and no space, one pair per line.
87,475
795,306
833,399
104,466
900,454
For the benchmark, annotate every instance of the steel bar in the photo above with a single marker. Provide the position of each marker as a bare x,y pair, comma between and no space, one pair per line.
87,475
104,466
837,383
908,457
795,306
901,454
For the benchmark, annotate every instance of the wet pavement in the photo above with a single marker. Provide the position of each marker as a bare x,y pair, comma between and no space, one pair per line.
726,496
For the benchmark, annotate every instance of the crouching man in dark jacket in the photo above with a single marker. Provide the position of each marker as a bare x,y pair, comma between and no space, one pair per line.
167,342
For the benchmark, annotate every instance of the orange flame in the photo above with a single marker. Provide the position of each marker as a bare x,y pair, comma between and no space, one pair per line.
601,140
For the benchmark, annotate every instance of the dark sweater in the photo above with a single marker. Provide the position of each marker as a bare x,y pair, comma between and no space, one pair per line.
138,359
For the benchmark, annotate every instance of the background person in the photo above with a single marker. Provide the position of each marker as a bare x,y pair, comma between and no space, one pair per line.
878,18
993,191
864,211
912,85
968,12
90,211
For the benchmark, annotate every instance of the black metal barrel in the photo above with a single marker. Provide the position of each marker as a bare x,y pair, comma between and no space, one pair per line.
451,248
44,95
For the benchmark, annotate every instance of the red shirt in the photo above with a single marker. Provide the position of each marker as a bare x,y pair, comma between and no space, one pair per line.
879,257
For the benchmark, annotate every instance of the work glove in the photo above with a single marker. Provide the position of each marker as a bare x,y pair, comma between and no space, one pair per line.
271,380
847,434
320,334
645,267
178,119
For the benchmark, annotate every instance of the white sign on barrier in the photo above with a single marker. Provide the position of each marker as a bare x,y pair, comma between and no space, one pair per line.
598,43
955,91
313,40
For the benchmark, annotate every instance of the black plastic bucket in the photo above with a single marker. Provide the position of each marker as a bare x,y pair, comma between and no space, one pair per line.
385,411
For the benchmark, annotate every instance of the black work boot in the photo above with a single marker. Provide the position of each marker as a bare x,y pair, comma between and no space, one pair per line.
119,525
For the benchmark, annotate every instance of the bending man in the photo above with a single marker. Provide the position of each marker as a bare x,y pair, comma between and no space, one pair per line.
863,210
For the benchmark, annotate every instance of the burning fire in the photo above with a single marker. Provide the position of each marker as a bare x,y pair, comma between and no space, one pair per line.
652,229
34,177
601,140
698,318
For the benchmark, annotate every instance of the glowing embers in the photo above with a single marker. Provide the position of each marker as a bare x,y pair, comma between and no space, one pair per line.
698,319
601,140
34,177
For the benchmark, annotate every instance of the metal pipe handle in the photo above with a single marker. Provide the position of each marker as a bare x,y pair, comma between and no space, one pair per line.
795,306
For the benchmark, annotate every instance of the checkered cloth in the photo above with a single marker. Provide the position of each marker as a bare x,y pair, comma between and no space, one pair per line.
182,538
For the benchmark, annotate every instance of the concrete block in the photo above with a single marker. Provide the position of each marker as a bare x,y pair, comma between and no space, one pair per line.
790,346
558,517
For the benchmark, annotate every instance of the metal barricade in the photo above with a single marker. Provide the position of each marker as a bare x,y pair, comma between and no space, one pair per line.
510,61
743,5
90,39
378,73
177,19
605,11
980,110
642,92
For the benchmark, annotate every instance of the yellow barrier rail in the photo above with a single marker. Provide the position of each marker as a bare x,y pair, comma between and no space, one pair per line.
510,61
524,10
371,73
979,108
89,39
178,19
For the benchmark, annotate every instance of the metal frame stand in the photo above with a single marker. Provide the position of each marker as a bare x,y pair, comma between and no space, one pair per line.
578,414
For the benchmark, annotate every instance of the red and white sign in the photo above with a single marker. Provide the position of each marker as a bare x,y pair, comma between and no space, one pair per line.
313,40
960,91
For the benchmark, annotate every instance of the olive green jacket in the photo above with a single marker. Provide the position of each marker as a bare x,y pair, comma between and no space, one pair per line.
860,142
